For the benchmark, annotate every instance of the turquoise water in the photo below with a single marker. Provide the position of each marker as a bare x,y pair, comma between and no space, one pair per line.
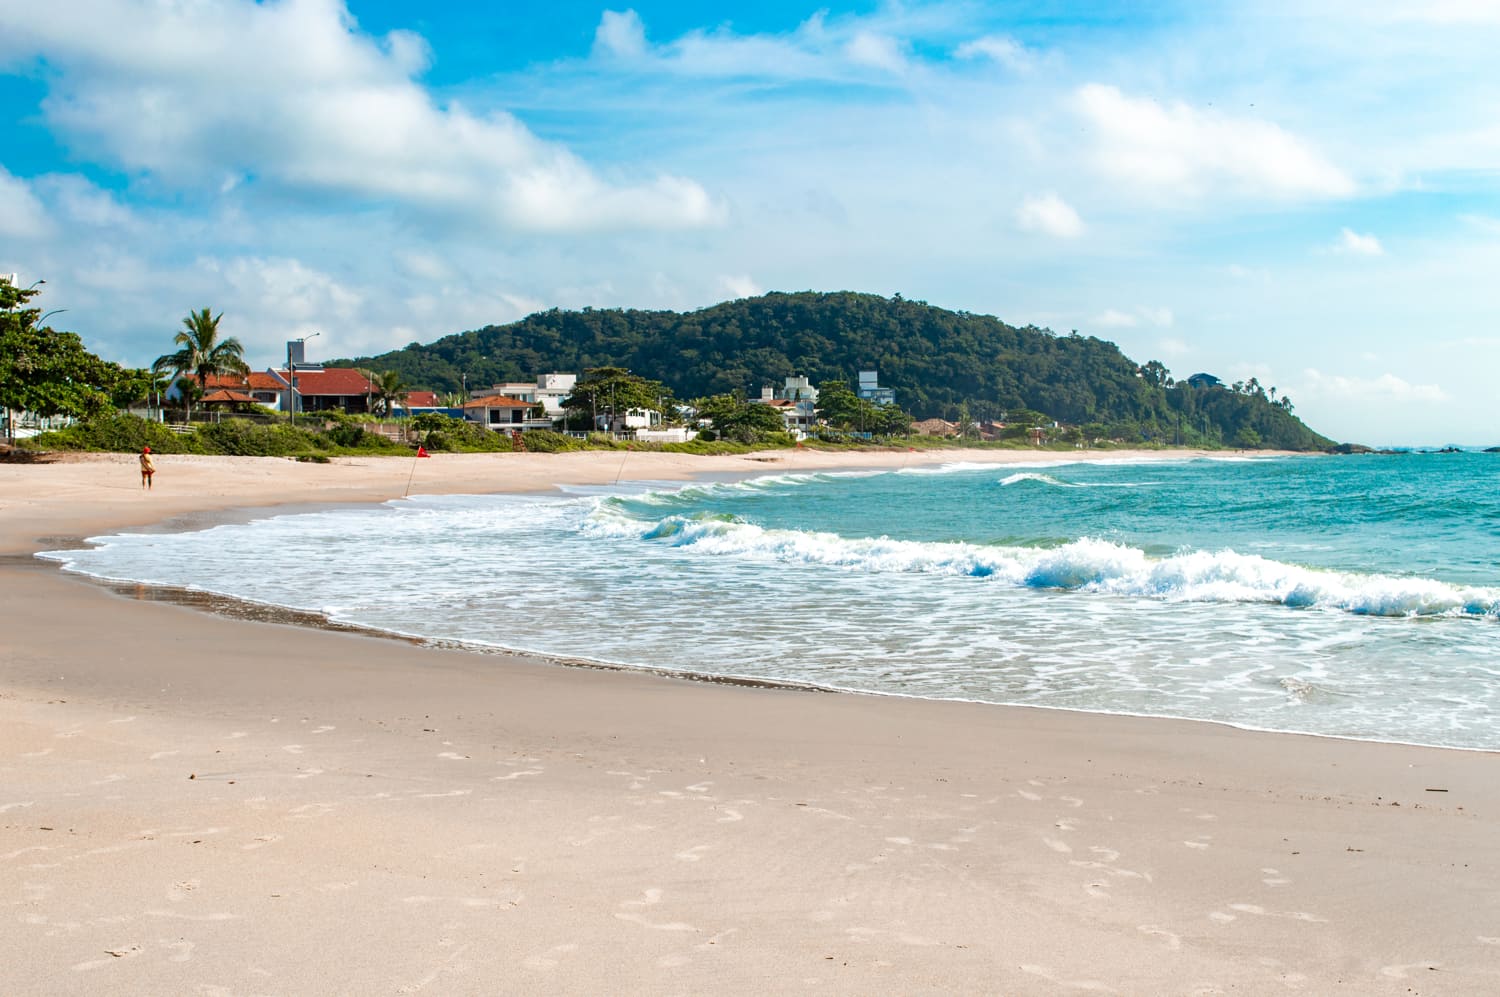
1355,597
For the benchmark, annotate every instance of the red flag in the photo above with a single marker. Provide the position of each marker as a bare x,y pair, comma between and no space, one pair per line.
422,452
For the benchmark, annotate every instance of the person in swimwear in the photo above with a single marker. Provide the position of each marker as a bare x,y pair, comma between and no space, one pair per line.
148,467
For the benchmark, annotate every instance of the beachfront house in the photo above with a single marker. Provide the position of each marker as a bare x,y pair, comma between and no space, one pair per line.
869,388
796,401
548,391
503,413
315,388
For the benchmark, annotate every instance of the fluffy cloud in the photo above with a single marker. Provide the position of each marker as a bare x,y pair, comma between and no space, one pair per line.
739,286
1115,318
21,213
302,100
998,48
1050,215
1359,245
1183,150
1385,387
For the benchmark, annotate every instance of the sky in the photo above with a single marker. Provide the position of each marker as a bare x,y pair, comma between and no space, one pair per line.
1307,193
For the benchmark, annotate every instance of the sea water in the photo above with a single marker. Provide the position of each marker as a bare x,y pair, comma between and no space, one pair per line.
1353,596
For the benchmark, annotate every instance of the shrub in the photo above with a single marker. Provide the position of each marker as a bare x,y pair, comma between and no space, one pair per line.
546,441
116,433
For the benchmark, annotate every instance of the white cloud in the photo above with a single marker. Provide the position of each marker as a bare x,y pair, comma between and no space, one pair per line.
1186,151
1142,315
21,213
875,51
1170,347
739,286
1359,245
998,48
620,34
1113,319
1162,317
301,100
1049,215
1385,387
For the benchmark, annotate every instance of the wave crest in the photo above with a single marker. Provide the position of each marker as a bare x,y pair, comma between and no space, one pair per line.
1087,565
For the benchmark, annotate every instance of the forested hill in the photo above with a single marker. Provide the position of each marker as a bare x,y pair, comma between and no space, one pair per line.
936,360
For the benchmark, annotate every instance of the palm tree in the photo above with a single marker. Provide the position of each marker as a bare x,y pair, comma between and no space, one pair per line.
389,390
202,354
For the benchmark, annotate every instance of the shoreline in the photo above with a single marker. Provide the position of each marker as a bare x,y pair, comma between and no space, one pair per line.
193,800
239,608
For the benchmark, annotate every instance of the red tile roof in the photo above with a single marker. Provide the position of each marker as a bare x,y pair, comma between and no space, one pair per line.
422,399
498,401
225,395
332,381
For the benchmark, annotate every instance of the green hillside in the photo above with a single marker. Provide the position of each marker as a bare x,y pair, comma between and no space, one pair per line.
936,360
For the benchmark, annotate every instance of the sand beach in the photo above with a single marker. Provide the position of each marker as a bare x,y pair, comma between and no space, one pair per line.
197,801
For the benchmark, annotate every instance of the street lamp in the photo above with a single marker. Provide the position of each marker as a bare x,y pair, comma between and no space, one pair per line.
291,375
55,311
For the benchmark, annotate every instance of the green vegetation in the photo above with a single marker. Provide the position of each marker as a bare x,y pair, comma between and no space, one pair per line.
611,390
239,437
49,372
936,360
201,354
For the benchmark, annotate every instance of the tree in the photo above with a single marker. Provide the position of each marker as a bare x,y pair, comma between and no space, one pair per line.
965,421
737,419
45,371
614,390
388,388
202,354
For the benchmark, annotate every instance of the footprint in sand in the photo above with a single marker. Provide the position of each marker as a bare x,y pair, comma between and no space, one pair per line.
1274,878
181,948
1089,986
515,775
1171,939
1400,970
1200,844
292,749
179,892
17,806
650,898
1295,915
1027,794
692,854
1061,847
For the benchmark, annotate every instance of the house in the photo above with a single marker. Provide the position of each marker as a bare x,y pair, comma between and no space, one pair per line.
934,427
1205,381
869,389
262,386
797,402
548,392
315,388
500,412
418,402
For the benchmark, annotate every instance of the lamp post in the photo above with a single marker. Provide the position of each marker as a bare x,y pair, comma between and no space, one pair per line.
55,311
291,375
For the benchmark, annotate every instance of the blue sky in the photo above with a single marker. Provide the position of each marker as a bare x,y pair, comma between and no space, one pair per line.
1305,193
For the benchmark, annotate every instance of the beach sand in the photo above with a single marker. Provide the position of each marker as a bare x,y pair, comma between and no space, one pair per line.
192,803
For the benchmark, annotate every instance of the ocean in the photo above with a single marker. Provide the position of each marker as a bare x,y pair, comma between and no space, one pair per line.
1353,597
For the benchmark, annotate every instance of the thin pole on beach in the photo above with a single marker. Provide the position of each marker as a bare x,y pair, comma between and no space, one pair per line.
622,464
413,474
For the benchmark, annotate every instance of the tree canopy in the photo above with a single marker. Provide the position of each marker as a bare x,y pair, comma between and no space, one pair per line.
201,354
46,371
935,359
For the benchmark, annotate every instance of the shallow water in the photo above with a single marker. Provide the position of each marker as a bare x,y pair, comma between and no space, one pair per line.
1355,597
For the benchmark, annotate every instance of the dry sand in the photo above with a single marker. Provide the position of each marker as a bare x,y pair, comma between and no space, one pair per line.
195,804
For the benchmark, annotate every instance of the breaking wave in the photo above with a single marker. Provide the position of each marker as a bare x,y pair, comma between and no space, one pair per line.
1087,565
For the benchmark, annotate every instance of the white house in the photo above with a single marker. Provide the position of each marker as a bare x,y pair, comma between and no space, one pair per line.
548,392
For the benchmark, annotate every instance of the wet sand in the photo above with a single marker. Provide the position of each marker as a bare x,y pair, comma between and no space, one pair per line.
200,804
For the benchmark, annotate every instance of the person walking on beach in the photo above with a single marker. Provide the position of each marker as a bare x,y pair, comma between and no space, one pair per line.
148,467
